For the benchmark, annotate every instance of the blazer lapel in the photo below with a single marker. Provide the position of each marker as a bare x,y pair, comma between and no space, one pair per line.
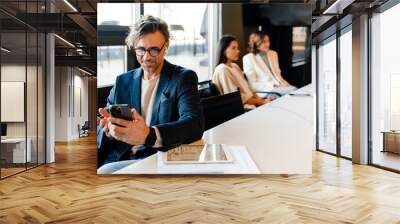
136,89
271,61
261,64
264,67
160,95
274,61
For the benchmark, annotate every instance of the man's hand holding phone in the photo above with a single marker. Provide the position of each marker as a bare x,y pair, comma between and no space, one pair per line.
103,121
133,132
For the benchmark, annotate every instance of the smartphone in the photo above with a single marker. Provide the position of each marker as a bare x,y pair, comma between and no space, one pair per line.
122,111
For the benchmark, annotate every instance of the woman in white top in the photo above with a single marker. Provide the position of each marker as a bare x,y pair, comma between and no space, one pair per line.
228,77
261,66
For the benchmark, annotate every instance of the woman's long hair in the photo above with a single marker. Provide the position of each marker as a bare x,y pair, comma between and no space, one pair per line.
255,40
223,44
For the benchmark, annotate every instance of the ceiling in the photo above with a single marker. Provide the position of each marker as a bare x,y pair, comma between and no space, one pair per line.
74,22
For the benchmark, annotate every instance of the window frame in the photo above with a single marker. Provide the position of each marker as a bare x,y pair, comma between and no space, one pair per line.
371,13
335,36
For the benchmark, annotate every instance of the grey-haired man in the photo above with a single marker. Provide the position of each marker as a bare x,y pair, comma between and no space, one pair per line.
164,99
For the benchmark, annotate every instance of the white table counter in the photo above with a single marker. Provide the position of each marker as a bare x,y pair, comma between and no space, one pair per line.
278,137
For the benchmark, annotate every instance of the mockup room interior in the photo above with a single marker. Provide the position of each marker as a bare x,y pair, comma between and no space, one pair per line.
327,151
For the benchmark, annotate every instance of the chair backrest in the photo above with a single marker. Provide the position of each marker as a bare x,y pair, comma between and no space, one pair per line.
86,125
102,94
219,109
207,89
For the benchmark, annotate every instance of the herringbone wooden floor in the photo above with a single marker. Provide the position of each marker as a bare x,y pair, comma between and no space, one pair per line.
69,191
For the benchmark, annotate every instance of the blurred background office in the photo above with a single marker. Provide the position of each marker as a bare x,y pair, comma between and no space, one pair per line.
194,41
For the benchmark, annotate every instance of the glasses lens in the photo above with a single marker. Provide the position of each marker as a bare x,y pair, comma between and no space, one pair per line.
154,51
140,51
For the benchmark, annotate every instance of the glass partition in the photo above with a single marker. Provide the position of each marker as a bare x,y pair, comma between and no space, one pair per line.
22,67
13,95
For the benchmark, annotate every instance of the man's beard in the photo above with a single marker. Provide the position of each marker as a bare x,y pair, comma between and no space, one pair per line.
150,69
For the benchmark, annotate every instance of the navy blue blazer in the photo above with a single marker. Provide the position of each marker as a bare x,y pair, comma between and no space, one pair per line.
176,111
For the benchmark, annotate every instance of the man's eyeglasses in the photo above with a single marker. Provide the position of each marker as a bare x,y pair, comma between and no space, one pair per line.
153,51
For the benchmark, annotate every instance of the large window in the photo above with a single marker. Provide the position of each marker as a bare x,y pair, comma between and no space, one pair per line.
122,14
112,58
385,89
111,62
327,96
334,106
299,45
189,33
346,93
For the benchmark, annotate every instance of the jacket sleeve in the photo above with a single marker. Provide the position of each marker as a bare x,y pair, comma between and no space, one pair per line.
226,84
103,142
249,68
100,135
190,125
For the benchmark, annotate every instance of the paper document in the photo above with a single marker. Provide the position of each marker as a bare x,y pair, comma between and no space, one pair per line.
209,153
238,161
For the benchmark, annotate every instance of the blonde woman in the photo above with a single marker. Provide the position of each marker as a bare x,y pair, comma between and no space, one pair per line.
261,66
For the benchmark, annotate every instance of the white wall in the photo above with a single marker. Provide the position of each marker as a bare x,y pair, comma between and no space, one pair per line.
17,73
33,126
80,98
61,103
14,73
70,83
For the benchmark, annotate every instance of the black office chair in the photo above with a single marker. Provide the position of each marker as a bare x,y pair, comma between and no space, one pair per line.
207,89
84,130
219,109
102,94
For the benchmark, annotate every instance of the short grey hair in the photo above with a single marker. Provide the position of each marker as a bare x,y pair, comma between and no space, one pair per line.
146,24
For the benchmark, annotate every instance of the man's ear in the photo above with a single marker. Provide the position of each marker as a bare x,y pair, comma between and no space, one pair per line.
166,48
